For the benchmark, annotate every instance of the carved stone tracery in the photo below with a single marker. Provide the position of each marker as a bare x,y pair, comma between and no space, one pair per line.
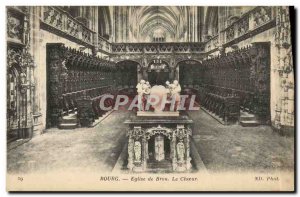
178,137
20,81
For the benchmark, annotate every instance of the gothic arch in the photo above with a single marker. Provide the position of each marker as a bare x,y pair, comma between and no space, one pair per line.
163,60
159,130
184,60
129,60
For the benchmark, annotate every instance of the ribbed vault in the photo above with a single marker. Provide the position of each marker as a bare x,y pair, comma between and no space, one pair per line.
144,20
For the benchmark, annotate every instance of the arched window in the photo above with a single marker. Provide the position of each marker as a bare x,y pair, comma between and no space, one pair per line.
159,35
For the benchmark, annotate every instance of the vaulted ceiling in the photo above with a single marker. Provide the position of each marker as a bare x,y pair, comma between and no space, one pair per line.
145,20
142,23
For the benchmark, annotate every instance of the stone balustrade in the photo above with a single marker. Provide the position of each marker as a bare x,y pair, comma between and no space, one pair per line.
58,20
180,47
250,23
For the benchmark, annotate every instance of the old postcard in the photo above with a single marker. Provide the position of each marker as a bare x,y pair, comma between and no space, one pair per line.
150,98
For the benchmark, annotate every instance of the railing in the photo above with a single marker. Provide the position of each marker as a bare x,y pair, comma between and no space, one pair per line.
158,47
250,21
63,22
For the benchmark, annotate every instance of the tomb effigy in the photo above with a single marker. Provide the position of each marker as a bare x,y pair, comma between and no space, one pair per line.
158,135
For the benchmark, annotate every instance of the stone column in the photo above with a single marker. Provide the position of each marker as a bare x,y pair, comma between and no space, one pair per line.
284,70
146,150
172,74
130,152
144,153
145,74
188,158
34,49
96,29
173,150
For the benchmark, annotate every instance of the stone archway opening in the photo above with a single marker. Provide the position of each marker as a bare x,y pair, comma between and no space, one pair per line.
126,75
158,153
189,73
158,72
159,148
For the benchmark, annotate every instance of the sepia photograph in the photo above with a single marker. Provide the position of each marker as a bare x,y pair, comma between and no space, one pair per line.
150,98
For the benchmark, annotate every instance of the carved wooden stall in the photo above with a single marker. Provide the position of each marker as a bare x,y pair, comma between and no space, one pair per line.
76,82
238,80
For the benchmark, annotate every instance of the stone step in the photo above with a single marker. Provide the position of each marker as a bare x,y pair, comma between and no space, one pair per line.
67,126
249,123
249,117
248,120
70,116
69,121
159,165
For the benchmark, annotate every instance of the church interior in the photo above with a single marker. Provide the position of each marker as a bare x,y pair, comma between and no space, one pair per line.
62,60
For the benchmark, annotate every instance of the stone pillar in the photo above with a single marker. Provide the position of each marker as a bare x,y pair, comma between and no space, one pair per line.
96,29
144,152
284,94
188,158
173,150
172,74
183,161
145,74
136,146
34,49
139,74
130,152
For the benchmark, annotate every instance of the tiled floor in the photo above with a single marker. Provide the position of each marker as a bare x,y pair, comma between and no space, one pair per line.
241,148
83,148
93,149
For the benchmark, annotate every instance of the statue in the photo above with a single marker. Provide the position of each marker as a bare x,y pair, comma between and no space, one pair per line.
175,90
140,90
157,97
147,88
168,88
175,87
137,151
159,148
180,151
130,153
